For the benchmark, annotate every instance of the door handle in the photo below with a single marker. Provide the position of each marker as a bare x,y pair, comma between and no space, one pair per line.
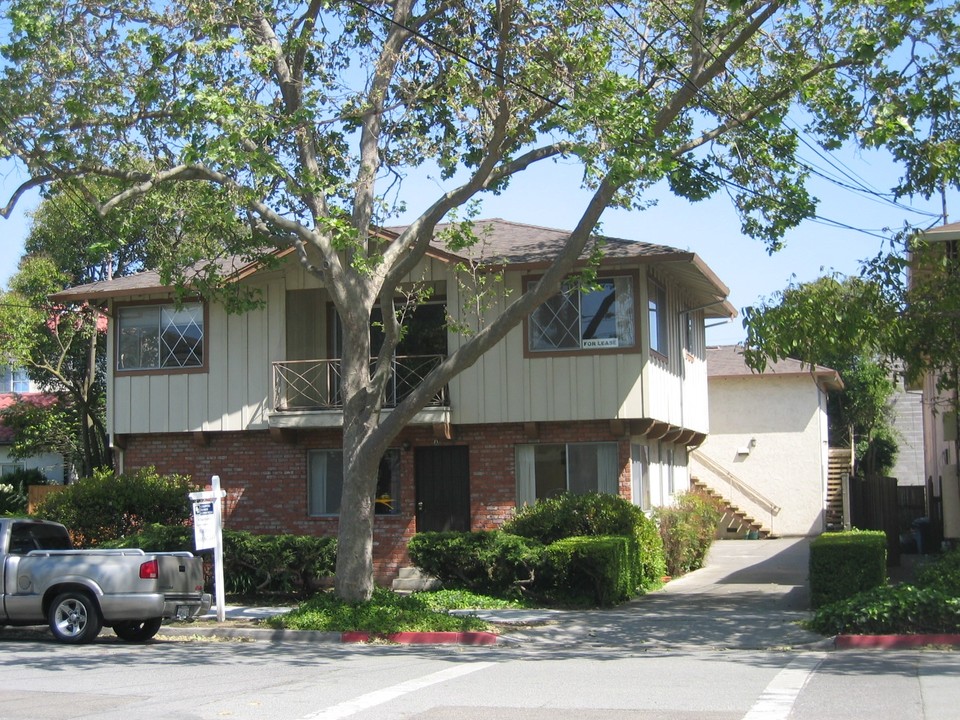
420,505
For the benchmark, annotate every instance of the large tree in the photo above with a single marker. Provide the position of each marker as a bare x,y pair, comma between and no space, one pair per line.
850,324
307,118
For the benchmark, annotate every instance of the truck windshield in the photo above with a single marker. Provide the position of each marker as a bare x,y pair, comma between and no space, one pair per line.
25,536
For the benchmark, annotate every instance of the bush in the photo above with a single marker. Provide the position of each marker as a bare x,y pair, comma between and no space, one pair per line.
687,530
598,570
252,564
944,574
13,490
109,506
492,563
891,610
595,514
846,563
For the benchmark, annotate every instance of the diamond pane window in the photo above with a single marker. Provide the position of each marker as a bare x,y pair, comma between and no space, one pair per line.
602,317
157,337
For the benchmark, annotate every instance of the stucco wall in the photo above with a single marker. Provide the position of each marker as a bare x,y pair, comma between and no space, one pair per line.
786,417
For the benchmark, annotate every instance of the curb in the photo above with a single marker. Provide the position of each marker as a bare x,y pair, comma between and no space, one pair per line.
424,638
894,642
315,636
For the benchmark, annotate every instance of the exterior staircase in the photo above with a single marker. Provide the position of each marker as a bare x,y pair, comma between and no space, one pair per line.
411,579
736,523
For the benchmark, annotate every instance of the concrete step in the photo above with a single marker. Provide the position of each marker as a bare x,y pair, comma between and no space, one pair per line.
411,579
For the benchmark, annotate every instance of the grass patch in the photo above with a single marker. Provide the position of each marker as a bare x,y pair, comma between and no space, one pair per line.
385,613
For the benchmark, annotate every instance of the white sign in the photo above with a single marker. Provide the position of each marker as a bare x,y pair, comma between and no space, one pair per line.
204,525
208,533
601,342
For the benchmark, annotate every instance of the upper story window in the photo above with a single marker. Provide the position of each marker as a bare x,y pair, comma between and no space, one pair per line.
657,317
160,337
14,380
577,319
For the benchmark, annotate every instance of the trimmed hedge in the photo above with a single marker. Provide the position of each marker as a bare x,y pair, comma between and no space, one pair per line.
591,570
596,515
846,563
491,563
252,564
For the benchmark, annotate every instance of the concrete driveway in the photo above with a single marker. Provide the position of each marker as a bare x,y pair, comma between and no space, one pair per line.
751,594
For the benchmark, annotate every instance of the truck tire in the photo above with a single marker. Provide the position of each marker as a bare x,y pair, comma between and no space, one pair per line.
137,630
74,618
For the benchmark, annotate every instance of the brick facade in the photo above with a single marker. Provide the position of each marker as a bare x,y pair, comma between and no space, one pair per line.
266,478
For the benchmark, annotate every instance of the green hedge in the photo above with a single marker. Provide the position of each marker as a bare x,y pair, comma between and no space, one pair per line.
592,570
846,563
252,564
931,606
596,515
491,563
109,506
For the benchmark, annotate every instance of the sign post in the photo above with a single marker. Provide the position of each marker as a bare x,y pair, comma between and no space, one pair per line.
208,533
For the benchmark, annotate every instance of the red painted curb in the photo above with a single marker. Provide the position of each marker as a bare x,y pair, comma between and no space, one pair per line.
423,638
893,642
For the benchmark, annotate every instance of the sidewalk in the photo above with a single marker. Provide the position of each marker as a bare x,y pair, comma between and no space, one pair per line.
750,595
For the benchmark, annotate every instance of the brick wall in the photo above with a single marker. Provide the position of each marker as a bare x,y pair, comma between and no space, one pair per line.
266,478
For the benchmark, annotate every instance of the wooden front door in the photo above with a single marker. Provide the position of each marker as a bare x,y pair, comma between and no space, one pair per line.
443,488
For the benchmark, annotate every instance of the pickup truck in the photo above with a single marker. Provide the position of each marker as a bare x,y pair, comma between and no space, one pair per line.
78,592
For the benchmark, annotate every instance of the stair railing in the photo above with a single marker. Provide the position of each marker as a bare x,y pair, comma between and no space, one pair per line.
736,483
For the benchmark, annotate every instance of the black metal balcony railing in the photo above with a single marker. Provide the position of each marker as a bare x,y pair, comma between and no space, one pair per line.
316,384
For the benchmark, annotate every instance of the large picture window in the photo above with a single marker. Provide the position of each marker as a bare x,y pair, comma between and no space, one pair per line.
577,319
544,471
325,483
160,337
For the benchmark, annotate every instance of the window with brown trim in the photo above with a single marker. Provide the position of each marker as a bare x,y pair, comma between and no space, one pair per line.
599,316
160,337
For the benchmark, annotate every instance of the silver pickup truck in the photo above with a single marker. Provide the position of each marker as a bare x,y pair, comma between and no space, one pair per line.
77,592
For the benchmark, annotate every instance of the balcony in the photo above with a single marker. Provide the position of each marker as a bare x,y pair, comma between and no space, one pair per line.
308,393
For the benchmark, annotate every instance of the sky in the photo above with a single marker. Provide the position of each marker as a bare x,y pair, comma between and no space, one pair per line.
549,196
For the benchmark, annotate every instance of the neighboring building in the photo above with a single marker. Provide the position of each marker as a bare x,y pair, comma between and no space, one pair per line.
940,419
767,452
15,384
600,390
906,408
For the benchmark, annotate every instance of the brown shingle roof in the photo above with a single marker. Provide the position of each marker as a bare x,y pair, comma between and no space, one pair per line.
502,241
725,361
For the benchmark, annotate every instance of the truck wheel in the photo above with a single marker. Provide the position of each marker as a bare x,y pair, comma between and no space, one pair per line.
137,630
74,618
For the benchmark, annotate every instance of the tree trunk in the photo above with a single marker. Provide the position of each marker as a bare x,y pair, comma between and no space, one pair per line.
364,443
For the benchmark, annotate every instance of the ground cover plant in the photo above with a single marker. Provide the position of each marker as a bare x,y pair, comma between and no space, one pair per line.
386,613
930,605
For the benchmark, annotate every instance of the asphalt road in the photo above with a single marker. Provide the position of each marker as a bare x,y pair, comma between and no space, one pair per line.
720,644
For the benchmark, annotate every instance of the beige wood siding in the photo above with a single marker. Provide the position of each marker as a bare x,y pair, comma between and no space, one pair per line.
233,393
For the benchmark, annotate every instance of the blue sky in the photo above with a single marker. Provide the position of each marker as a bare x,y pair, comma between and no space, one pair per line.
549,195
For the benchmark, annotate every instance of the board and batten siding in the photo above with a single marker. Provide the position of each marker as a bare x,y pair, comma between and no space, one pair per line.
232,394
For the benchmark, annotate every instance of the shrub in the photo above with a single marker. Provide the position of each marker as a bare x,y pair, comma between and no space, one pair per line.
13,490
109,506
253,564
898,609
846,563
595,514
493,563
598,570
944,574
687,530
